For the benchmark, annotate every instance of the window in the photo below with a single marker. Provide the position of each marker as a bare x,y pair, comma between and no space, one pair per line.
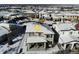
40,34
36,34
49,36
70,32
78,32
31,34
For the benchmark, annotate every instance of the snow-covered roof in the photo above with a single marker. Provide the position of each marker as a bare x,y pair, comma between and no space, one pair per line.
57,16
35,19
65,39
65,26
29,11
3,31
66,13
42,12
5,13
6,25
46,15
69,14
75,33
49,22
35,27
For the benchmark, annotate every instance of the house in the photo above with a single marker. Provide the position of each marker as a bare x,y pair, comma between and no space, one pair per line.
68,36
65,28
68,42
37,34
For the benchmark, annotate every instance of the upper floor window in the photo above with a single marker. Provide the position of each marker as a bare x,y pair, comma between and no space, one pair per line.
31,34
49,35
35,34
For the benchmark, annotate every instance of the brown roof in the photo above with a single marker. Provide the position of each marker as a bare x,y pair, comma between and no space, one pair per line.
77,26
